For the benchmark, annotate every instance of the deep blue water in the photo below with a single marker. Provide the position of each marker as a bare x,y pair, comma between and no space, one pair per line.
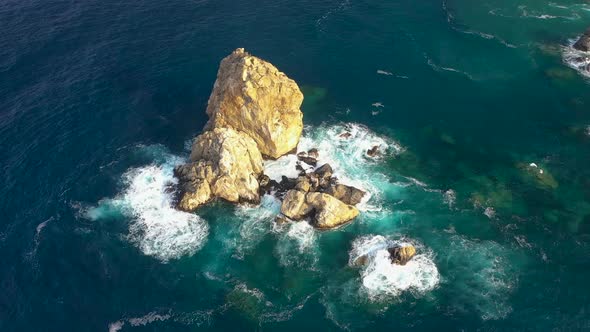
99,100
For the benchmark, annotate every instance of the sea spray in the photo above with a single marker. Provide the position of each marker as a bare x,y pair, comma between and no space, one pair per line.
344,146
382,279
254,223
156,227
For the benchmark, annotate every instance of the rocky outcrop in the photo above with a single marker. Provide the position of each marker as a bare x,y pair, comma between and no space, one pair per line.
224,163
347,194
583,43
325,210
254,112
252,96
402,254
330,212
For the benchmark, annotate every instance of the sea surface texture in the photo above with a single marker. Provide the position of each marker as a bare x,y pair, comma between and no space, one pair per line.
483,119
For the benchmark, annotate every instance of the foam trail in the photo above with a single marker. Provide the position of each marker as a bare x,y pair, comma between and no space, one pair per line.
156,228
381,279
255,223
296,245
116,326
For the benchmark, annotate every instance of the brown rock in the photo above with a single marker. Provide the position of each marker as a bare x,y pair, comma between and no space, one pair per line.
295,206
401,254
329,211
347,194
313,153
373,152
253,96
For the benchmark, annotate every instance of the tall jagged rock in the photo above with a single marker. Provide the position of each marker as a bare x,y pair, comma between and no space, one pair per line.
225,163
252,96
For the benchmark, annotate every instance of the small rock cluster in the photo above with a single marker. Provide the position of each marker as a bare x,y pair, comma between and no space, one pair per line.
315,195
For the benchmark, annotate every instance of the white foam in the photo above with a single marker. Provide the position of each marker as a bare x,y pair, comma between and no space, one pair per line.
116,326
255,223
303,233
42,225
382,279
576,59
156,228
346,155
296,245
384,72
148,319
450,197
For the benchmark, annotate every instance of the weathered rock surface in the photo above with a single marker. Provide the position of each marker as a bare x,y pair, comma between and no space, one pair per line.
224,163
295,205
347,194
325,210
402,254
253,96
583,44
329,211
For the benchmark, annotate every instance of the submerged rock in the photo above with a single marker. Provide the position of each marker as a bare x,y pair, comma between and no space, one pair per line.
224,163
253,96
583,43
401,254
373,152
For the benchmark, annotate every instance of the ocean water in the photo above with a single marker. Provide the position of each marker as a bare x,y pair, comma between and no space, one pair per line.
483,117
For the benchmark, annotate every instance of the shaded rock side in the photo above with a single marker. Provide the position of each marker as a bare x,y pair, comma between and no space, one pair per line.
401,254
347,194
253,96
583,43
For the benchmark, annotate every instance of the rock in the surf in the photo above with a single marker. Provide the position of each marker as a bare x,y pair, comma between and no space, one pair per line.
253,96
330,212
373,152
347,194
583,43
402,254
308,159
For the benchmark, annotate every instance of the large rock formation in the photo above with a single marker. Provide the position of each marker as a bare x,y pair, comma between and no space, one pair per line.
325,210
224,163
253,96
583,44
254,111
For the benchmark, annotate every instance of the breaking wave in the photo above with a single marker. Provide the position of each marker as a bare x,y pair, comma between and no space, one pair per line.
576,59
156,227
344,147
381,279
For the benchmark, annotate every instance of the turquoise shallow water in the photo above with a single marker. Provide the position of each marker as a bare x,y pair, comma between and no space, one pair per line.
99,101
